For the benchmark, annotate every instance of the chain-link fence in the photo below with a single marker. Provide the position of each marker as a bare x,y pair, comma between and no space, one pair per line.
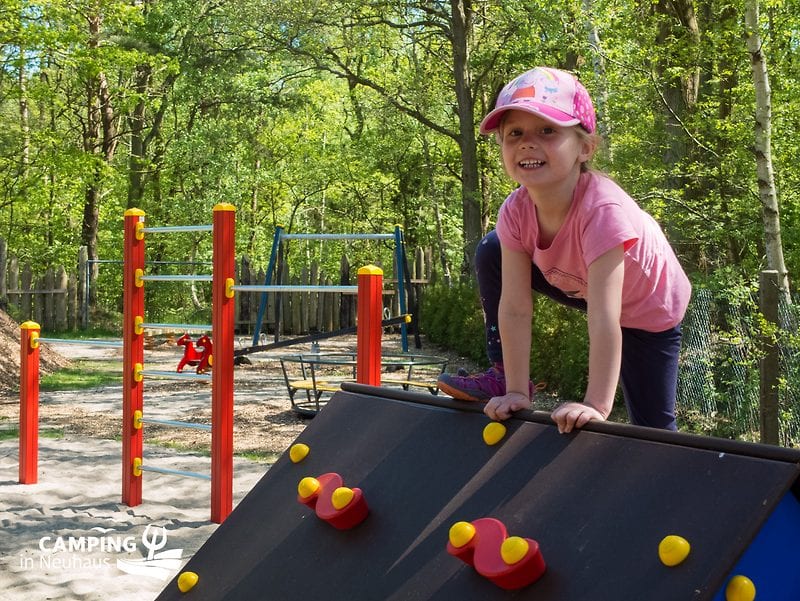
718,385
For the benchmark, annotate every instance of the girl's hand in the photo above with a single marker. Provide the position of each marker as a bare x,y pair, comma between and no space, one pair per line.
574,415
501,407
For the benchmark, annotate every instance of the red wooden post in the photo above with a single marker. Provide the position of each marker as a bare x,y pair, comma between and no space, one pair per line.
29,403
369,328
222,324
132,354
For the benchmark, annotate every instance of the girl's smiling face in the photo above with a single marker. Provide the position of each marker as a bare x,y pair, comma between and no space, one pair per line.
538,154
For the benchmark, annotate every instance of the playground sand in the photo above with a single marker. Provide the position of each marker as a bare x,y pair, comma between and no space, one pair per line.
69,537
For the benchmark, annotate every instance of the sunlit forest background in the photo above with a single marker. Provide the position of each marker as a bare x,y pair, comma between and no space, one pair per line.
352,116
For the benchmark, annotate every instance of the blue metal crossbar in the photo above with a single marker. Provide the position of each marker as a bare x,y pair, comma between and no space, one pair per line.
111,343
178,327
296,288
337,236
165,470
177,278
168,229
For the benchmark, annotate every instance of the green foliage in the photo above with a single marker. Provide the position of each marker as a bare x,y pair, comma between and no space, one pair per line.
452,317
560,349
342,116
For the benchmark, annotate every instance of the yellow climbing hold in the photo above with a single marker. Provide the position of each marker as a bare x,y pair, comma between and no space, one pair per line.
740,588
307,487
461,533
673,549
493,433
186,581
341,497
513,549
298,452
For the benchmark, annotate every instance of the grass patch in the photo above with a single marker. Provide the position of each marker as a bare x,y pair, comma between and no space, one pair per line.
13,433
260,456
83,374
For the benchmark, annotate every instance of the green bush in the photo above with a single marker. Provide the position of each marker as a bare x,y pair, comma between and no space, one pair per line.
560,349
452,318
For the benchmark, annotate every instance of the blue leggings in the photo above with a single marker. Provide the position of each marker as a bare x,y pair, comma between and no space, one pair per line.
649,371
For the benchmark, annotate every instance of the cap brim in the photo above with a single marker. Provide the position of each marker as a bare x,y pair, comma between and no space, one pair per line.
492,120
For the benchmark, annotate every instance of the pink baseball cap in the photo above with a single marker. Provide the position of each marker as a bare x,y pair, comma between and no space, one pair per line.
554,95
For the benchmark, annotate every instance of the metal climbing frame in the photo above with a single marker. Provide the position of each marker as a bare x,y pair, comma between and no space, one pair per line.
281,236
134,326
370,293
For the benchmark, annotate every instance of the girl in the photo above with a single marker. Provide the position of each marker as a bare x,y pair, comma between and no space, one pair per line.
575,236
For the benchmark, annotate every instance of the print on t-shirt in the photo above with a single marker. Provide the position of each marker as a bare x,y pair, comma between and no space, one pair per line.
569,284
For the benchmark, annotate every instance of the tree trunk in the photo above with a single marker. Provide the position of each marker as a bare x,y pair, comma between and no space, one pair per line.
441,244
767,194
461,20
99,138
677,21
24,120
91,212
136,160
599,70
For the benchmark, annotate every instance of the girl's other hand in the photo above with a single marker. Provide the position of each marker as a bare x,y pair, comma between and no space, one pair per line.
574,415
501,407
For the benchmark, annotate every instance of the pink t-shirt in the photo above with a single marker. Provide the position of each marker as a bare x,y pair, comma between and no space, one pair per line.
655,290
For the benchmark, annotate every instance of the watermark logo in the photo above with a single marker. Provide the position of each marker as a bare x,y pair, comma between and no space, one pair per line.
161,565
103,550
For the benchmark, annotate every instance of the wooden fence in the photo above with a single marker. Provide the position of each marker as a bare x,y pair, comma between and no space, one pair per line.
58,299
50,298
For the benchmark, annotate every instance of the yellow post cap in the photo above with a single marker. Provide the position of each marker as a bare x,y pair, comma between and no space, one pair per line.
224,206
370,270
29,325
134,213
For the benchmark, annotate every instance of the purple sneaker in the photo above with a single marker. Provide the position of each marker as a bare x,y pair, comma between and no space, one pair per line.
476,387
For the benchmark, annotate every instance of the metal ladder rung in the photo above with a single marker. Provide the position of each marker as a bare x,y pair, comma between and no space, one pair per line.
166,470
